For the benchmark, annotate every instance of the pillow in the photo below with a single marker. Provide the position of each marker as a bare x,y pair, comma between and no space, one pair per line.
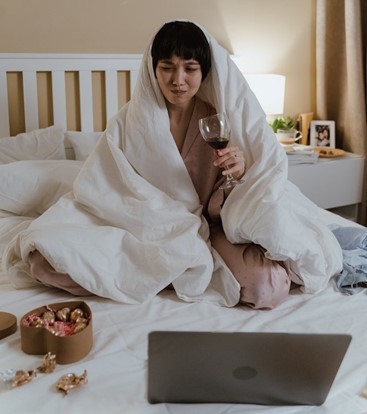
40,144
82,143
30,187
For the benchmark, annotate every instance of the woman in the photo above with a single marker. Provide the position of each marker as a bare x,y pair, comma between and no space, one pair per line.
181,62
241,245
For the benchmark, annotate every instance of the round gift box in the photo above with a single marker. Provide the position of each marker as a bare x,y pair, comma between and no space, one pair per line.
8,324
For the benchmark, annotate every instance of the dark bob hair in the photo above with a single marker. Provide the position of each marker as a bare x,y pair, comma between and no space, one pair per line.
185,40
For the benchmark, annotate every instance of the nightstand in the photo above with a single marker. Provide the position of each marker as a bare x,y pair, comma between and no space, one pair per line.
332,183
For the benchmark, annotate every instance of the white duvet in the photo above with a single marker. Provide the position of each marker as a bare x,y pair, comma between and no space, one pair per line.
131,223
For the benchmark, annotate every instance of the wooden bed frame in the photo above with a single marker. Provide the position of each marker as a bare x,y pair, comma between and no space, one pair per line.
29,65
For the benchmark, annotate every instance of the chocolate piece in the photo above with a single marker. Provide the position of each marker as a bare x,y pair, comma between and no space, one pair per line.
71,381
23,377
63,314
48,365
76,314
49,317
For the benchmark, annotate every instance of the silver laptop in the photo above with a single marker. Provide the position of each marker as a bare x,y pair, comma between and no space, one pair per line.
249,368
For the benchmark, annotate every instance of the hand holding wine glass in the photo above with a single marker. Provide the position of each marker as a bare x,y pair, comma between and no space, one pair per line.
215,130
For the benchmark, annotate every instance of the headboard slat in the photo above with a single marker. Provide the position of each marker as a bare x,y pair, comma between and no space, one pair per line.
111,93
4,108
30,100
59,98
86,100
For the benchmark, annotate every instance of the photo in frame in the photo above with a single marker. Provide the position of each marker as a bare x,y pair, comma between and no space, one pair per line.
322,134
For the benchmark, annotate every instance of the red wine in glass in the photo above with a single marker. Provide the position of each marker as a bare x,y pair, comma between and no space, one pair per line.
218,142
215,130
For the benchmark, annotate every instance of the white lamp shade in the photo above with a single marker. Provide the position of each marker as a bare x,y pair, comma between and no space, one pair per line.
269,89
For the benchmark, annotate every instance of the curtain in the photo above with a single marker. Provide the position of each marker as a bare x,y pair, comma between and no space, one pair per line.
341,75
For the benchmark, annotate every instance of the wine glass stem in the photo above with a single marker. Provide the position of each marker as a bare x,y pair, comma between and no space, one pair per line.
229,176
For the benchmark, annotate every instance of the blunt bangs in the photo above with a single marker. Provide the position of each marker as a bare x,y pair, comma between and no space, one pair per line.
185,40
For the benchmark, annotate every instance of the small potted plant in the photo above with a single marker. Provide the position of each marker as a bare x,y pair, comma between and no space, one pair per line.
283,123
285,129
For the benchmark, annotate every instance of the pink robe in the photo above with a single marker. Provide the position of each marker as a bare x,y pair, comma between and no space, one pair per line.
264,283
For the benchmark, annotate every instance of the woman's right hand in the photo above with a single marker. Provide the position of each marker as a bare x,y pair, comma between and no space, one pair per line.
232,160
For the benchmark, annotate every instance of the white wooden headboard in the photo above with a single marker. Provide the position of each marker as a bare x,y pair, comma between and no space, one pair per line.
58,64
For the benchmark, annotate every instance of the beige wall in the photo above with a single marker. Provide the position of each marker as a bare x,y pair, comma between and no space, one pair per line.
270,36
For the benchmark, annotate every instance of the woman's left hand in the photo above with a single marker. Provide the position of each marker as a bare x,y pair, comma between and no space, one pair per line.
233,159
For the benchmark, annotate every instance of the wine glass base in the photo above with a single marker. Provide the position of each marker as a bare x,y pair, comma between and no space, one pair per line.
230,184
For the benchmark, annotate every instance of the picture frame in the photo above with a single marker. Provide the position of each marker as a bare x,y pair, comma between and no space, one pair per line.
322,134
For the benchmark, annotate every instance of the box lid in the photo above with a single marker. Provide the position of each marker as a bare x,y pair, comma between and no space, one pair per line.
8,324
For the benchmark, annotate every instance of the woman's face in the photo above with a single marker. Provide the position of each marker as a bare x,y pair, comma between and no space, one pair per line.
178,79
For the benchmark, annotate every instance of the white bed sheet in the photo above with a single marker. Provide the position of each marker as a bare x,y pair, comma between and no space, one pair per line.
117,363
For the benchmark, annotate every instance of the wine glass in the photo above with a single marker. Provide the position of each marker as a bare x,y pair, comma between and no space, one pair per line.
215,130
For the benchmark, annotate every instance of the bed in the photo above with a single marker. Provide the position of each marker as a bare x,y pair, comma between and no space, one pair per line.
117,363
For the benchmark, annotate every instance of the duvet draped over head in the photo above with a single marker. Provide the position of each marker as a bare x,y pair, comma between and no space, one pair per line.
132,222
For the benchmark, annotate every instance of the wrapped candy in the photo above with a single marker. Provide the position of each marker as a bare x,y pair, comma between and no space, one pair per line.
76,314
48,364
49,317
23,377
63,314
70,381
62,322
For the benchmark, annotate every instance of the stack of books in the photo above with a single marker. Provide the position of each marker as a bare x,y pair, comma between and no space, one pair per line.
300,154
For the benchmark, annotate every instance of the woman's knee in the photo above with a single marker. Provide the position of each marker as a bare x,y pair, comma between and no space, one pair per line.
266,283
